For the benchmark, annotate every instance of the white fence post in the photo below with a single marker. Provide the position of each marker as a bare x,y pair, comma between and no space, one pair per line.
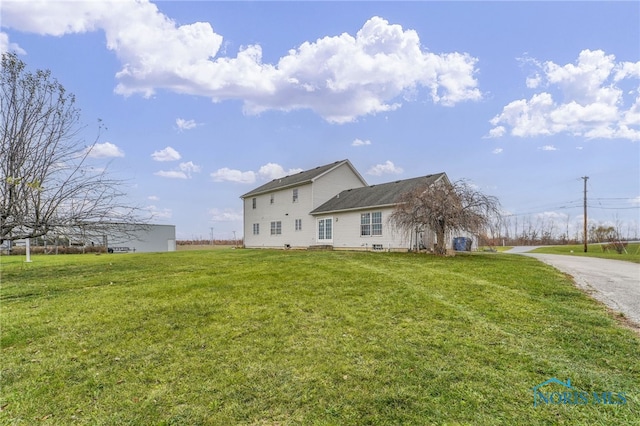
28,249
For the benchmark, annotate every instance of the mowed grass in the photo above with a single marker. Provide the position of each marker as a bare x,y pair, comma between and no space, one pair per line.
594,250
260,337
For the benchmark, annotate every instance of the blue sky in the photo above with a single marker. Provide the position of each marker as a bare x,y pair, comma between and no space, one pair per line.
204,101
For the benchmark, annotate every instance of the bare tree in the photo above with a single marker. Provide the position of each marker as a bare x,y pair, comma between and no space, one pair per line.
45,181
444,207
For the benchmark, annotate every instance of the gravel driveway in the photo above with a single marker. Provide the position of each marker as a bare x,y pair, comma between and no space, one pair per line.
615,283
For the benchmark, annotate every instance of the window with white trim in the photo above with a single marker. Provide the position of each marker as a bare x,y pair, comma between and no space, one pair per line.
376,223
365,224
295,195
256,229
253,202
325,229
276,228
273,197
298,224
371,224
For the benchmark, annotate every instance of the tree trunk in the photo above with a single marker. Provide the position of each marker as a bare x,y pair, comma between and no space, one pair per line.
441,246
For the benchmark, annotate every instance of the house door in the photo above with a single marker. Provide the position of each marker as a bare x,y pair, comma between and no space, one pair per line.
325,230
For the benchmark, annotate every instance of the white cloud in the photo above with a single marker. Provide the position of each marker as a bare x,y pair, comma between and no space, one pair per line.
548,148
105,150
382,169
185,124
172,174
635,201
582,99
275,171
497,151
339,77
230,175
627,69
7,46
269,171
344,77
360,142
183,171
226,215
167,154
533,82
496,132
189,168
153,198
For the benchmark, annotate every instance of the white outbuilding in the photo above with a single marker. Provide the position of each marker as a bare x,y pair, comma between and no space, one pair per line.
143,239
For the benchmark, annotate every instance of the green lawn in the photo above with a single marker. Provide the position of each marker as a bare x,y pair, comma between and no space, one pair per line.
260,337
594,250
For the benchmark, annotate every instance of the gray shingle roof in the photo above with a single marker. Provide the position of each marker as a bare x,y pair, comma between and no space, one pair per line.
294,180
373,196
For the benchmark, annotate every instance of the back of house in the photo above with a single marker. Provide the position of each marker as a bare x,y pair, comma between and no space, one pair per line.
277,214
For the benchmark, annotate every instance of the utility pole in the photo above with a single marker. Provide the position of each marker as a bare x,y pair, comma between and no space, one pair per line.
585,178
211,235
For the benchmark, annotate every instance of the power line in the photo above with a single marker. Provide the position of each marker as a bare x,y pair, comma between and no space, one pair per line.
614,208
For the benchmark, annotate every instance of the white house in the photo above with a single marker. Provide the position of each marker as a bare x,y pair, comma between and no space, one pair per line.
278,213
360,217
331,206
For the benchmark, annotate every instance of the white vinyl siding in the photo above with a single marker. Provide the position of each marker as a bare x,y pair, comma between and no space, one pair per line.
333,183
295,203
347,231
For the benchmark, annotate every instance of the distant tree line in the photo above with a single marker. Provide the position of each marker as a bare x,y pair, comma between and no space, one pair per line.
527,230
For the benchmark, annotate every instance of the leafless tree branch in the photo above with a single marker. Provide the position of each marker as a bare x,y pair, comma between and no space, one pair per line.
45,181
445,207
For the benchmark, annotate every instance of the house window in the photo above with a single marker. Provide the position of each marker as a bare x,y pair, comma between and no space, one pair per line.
370,224
272,198
325,229
253,202
276,228
376,223
298,224
295,195
256,229
365,224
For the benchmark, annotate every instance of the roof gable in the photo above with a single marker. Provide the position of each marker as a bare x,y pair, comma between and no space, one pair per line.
301,178
375,195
